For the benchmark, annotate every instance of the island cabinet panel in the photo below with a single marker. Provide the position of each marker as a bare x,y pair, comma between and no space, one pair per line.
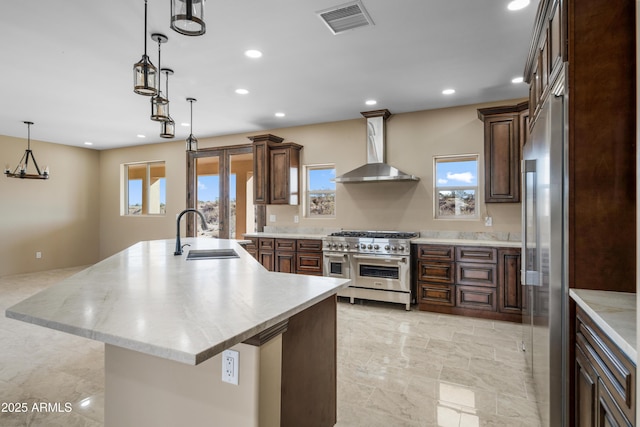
478,281
605,378
309,367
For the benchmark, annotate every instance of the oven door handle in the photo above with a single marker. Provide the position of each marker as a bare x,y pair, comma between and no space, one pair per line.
379,258
343,256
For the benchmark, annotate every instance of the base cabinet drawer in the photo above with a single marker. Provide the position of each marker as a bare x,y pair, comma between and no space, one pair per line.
439,294
476,297
309,263
476,274
439,272
611,372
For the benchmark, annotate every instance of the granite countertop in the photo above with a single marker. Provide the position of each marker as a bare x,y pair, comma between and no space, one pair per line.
614,313
148,300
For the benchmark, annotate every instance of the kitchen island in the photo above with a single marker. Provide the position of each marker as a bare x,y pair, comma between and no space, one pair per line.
165,320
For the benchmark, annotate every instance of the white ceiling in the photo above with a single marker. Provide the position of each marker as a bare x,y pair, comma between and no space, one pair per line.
68,64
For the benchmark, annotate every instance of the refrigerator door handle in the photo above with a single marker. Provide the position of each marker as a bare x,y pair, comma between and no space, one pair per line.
528,276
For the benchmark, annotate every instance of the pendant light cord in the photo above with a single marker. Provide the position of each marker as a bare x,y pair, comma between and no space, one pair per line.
145,27
29,136
191,120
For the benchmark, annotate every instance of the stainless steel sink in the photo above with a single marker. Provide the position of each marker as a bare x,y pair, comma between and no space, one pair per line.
196,254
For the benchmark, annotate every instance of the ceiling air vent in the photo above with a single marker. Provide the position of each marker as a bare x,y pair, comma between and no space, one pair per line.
345,17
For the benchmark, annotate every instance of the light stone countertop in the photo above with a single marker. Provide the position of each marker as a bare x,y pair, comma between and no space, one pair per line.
280,235
466,242
148,300
614,313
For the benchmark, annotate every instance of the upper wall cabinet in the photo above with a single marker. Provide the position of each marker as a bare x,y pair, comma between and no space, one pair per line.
276,171
505,132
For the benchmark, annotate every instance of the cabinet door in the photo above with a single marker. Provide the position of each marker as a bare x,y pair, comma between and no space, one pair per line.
285,262
261,173
266,258
509,288
502,159
586,381
279,176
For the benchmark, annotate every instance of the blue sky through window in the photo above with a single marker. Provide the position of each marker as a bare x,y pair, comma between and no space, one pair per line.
320,179
135,191
462,173
209,188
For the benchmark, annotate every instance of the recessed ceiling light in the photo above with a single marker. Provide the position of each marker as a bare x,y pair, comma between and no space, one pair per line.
252,53
518,4
448,91
88,143
371,102
140,136
184,124
279,114
242,91
517,80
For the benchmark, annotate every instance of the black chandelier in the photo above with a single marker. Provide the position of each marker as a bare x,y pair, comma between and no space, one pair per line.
144,72
168,129
187,17
192,141
21,170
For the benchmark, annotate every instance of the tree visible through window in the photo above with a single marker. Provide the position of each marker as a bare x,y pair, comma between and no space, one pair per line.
456,187
145,189
321,191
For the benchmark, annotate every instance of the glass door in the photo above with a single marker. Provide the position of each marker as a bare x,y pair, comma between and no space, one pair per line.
219,184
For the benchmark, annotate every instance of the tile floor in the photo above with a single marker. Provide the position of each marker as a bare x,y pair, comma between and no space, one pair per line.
395,368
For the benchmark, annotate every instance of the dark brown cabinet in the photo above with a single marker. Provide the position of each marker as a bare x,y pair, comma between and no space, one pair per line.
604,378
276,170
504,136
475,281
298,256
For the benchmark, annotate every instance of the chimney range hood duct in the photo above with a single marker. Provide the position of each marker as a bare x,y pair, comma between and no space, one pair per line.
375,169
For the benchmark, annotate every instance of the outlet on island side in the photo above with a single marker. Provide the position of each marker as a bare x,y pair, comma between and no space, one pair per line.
230,364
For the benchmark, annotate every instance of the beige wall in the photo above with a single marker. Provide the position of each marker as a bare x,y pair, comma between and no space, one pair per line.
74,218
59,217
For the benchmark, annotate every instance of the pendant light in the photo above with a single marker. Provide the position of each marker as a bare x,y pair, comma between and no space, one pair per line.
21,170
192,141
168,127
187,17
159,104
144,73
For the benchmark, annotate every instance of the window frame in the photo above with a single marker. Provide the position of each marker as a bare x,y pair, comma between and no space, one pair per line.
146,189
308,191
439,159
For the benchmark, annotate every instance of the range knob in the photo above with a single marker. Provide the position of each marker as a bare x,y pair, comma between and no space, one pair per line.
401,248
346,246
376,247
369,247
386,247
363,246
394,248
334,245
340,245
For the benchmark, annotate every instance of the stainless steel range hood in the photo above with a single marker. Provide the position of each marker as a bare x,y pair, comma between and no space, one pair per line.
375,169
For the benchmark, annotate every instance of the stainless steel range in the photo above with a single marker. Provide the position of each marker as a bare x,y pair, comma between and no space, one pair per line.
377,262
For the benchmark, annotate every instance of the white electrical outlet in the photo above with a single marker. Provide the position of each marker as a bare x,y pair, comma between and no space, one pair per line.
272,218
296,219
230,364
488,221
38,255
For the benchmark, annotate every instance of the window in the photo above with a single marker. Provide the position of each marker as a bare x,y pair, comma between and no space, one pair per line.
144,189
320,201
456,187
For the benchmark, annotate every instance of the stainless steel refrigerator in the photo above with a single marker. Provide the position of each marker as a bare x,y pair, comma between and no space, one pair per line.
545,293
